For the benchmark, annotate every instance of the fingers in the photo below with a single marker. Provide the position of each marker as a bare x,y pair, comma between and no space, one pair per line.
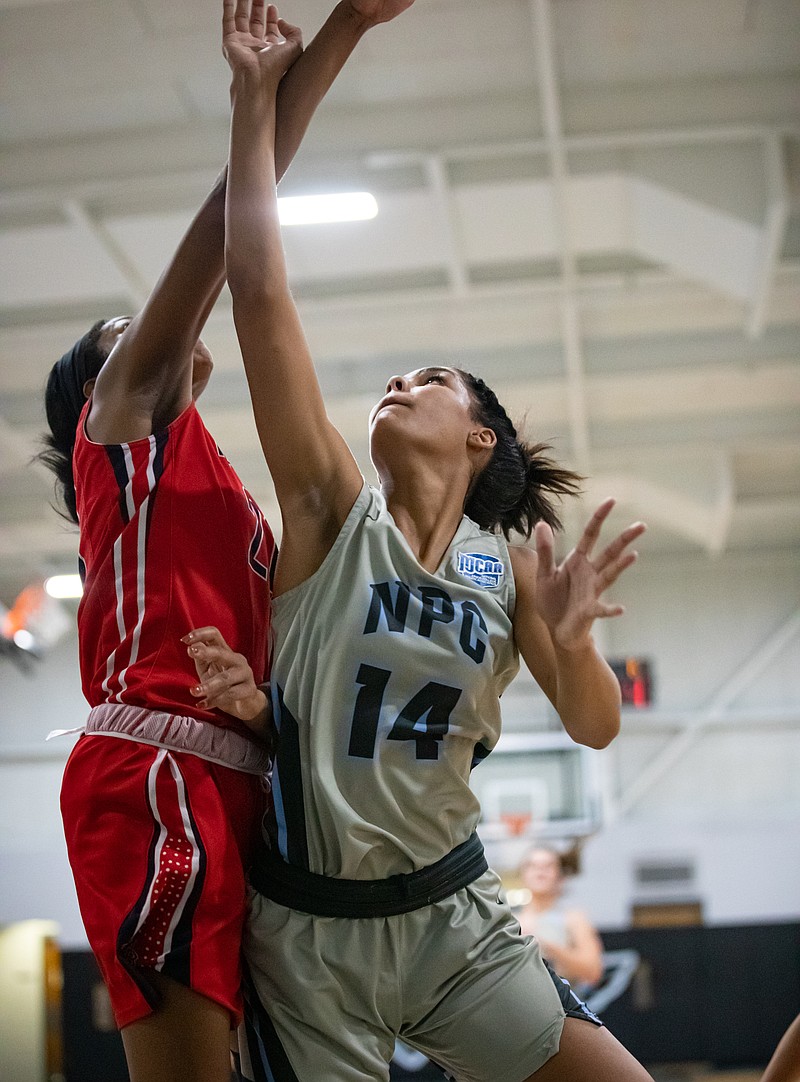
594,525
259,18
221,695
612,551
211,636
612,571
211,653
603,612
543,536
240,12
290,33
215,654
217,677
228,17
224,683
273,24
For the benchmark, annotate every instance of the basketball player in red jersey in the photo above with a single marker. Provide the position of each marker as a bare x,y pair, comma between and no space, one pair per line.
159,820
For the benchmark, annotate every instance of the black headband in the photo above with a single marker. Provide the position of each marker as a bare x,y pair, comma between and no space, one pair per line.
70,373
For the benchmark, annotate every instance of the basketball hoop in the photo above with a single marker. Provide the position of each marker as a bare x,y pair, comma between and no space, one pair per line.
516,823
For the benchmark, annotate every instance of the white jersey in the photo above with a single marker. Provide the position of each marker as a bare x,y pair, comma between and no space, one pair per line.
386,681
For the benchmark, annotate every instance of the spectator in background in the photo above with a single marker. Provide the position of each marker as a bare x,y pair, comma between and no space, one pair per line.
567,938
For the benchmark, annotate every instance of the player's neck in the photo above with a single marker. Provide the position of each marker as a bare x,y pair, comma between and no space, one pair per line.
540,903
427,509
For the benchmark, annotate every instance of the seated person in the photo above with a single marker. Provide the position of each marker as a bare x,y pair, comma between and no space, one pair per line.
567,938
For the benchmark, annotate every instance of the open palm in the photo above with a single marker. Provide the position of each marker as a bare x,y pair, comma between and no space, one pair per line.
255,39
569,595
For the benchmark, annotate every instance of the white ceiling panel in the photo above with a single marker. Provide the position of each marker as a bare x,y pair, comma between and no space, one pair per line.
621,41
91,113
54,264
629,281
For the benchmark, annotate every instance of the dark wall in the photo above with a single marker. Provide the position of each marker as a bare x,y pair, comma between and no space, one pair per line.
91,1054
723,995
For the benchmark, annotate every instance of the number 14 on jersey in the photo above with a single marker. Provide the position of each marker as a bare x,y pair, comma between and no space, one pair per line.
425,718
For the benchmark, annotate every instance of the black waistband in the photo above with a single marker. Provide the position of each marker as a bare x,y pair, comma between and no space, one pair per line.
325,896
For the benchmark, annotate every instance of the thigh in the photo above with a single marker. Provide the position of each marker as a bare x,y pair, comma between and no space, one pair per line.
488,1010
317,995
188,1037
589,1054
157,869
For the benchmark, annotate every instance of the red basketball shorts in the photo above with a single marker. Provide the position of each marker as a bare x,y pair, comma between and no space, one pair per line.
159,841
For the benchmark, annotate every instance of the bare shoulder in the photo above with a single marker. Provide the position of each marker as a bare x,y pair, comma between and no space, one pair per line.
578,920
524,564
524,560
576,914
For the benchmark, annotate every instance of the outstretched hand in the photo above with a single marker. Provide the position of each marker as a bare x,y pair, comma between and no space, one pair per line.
379,11
569,595
256,40
226,679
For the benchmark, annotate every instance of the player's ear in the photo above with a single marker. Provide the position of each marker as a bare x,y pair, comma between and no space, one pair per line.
481,439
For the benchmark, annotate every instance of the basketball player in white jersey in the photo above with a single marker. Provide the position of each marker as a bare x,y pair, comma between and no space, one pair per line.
397,621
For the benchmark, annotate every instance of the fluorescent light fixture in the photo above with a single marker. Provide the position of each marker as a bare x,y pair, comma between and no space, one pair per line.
318,209
64,586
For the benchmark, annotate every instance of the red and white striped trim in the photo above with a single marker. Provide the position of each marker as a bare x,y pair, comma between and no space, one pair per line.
121,565
174,871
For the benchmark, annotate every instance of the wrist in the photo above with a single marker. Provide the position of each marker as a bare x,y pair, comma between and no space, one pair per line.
573,649
252,85
356,21
254,707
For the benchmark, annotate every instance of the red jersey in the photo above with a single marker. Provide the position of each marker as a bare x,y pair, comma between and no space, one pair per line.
170,540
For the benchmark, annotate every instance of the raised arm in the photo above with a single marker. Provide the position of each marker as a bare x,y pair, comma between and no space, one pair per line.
316,478
148,378
556,607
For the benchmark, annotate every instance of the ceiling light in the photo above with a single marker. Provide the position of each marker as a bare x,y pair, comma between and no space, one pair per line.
24,639
317,209
64,586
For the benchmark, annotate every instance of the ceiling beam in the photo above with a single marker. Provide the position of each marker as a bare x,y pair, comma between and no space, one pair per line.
569,310
171,182
436,173
773,235
137,287
716,709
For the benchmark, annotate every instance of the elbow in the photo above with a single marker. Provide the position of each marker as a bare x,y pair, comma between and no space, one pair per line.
599,735
600,740
243,280
251,292
252,280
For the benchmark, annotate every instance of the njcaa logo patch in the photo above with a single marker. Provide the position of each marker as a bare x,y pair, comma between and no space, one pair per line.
481,569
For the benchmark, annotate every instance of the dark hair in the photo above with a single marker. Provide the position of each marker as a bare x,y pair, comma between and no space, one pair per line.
514,491
63,400
567,860
557,856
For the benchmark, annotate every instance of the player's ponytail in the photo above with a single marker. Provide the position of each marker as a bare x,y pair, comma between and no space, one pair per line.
63,400
518,486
